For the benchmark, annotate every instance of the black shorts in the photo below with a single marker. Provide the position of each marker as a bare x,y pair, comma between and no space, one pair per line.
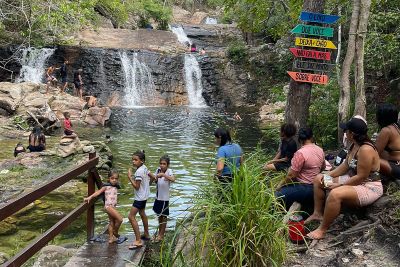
140,205
38,148
63,79
68,132
395,166
161,207
77,85
282,166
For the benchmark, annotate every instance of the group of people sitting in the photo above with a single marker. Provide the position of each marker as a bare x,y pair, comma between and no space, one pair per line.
356,182
37,139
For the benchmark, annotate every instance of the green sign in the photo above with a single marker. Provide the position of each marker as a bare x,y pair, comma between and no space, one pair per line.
313,30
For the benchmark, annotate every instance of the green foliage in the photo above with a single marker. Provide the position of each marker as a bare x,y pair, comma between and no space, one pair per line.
383,44
240,224
323,114
237,52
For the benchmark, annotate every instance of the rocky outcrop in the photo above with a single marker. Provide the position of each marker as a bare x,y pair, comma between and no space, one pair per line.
12,95
53,256
97,116
68,146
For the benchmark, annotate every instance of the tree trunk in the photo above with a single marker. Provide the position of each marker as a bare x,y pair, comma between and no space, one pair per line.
344,81
299,95
360,103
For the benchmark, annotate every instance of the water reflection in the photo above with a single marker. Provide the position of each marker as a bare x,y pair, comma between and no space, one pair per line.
186,135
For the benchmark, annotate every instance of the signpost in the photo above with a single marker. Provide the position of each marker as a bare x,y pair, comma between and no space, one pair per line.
315,43
317,17
297,52
308,77
311,65
313,30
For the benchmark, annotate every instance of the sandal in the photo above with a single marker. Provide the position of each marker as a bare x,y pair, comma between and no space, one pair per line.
134,246
121,239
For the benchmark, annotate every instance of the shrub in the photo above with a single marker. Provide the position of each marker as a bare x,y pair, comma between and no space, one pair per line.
237,52
240,224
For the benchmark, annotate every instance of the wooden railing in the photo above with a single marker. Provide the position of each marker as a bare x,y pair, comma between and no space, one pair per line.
14,205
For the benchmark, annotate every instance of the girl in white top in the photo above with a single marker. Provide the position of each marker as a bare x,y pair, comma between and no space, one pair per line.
141,184
164,177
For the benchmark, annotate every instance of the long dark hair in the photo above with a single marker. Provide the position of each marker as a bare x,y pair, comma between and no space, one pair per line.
361,139
224,135
37,133
305,133
386,114
288,129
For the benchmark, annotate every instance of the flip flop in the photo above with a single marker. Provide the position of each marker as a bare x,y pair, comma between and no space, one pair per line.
133,246
121,239
143,237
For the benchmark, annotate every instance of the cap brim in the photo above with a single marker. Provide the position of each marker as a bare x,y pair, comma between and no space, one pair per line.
343,125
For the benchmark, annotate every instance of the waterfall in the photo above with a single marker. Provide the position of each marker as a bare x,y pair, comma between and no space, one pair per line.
33,64
193,81
211,21
180,34
139,85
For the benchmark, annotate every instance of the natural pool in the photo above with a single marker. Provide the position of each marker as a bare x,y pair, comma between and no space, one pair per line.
185,134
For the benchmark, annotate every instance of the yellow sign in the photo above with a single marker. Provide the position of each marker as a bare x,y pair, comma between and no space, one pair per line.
315,43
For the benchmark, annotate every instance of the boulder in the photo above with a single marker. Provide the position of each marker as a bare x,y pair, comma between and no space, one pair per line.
180,15
97,115
272,112
65,102
11,94
198,17
68,146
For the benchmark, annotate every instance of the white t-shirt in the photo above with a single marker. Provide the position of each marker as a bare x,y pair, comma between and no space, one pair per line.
163,185
142,175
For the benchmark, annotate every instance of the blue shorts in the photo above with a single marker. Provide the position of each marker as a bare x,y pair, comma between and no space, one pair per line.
161,207
140,205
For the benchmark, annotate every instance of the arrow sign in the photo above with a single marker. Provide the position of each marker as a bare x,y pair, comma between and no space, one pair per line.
297,52
318,17
313,30
315,43
310,65
308,77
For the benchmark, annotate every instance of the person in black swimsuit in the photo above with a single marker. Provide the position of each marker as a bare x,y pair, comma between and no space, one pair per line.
287,148
37,140
78,83
388,140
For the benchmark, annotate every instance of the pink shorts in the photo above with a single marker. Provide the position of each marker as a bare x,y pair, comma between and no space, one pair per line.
367,192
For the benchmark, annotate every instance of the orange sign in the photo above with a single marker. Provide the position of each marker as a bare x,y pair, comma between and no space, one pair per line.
308,77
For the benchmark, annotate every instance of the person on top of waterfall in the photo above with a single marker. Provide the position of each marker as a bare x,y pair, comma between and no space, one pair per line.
78,84
64,75
51,80
193,48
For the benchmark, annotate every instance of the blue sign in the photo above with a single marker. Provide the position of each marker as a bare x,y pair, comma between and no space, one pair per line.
317,17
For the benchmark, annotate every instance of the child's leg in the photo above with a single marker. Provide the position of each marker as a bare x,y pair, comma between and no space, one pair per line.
135,226
117,219
162,220
111,237
143,215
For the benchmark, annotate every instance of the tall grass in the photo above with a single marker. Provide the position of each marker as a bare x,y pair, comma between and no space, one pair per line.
239,224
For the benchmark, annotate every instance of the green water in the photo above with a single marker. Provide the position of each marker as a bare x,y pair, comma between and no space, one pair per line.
185,134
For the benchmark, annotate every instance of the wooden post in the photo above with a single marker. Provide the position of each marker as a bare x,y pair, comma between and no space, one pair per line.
90,210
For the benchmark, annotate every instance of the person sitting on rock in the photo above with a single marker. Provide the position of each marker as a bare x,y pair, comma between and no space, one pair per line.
19,148
287,148
37,140
68,126
91,101
356,182
388,140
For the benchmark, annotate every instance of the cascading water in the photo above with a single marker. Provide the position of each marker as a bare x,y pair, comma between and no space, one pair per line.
193,74
193,81
211,21
33,64
180,34
139,85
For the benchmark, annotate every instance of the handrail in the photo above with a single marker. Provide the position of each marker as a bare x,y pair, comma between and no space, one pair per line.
22,201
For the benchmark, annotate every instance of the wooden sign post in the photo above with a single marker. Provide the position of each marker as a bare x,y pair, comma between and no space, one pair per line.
320,43
311,65
308,77
313,30
317,17
297,52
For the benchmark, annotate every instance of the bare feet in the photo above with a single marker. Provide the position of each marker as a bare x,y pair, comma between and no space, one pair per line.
314,217
112,239
316,234
158,239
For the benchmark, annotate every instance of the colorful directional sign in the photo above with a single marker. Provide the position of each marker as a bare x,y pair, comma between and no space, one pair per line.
308,77
315,43
313,30
310,65
317,17
297,52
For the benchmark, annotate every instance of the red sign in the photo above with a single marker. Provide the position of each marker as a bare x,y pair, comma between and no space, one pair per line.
308,77
297,52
